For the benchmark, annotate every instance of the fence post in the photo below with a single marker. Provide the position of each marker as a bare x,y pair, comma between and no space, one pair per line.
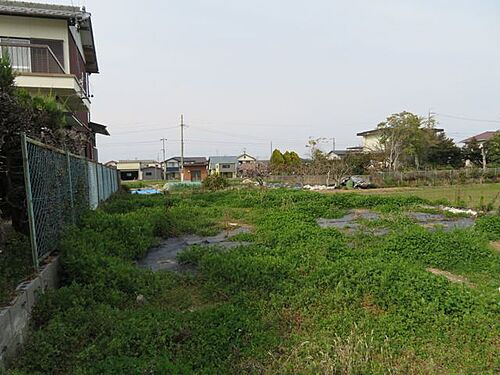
97,183
29,201
72,202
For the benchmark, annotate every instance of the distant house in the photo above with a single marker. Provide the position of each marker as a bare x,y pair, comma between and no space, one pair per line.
138,169
225,166
173,168
245,158
372,140
337,154
195,168
152,173
481,138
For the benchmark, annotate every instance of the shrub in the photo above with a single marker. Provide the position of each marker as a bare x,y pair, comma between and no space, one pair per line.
490,226
215,182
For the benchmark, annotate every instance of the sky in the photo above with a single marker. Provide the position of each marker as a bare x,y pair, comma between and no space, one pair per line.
247,73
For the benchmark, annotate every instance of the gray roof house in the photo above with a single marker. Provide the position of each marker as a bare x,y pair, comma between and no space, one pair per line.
225,166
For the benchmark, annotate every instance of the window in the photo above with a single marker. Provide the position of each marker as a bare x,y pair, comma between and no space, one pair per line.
41,59
19,55
149,173
196,175
225,166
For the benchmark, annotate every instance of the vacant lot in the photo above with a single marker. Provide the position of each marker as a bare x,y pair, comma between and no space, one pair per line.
471,195
387,295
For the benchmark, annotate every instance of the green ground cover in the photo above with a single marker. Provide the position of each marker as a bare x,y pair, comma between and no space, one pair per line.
299,299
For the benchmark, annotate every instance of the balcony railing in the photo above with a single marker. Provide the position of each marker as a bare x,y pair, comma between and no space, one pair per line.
31,58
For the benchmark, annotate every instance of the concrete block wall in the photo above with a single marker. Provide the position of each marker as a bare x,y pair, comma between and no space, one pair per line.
14,319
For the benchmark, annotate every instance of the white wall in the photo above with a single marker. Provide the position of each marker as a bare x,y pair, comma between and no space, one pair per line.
128,166
371,142
31,27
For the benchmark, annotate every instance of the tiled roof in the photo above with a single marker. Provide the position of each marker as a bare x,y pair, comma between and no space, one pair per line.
375,131
138,161
485,136
214,160
22,8
198,159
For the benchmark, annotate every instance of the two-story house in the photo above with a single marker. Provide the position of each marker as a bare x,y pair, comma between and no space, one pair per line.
173,168
52,51
225,166
246,159
372,140
195,168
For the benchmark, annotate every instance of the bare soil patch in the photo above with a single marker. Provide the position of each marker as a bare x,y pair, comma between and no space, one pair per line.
451,277
495,245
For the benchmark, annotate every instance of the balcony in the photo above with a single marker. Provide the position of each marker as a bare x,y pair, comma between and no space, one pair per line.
39,71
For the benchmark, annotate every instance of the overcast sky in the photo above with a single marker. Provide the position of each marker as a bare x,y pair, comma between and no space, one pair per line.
248,72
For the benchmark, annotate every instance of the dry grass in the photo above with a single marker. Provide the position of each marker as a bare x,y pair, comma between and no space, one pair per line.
471,194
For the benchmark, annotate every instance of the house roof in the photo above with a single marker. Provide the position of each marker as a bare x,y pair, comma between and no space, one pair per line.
214,160
99,128
482,137
138,161
247,155
339,152
23,8
73,14
368,132
222,159
375,131
190,159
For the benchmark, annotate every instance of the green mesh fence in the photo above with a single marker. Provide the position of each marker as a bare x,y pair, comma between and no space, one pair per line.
60,187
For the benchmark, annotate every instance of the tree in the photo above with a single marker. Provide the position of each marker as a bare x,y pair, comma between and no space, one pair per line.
401,134
39,117
277,161
257,171
493,150
472,152
286,162
444,152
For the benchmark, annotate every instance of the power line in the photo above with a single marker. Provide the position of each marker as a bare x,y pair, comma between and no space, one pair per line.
468,118
146,130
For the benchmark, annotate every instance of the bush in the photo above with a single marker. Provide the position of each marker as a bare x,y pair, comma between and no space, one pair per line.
215,182
490,226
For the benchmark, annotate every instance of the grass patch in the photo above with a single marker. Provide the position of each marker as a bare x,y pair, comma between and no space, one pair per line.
298,299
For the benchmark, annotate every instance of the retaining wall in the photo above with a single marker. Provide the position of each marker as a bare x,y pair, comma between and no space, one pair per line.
14,319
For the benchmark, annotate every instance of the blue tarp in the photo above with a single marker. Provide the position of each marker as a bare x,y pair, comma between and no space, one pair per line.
145,191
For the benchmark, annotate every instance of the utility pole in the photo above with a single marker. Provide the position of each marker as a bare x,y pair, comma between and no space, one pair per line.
271,149
429,118
164,163
333,144
182,147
